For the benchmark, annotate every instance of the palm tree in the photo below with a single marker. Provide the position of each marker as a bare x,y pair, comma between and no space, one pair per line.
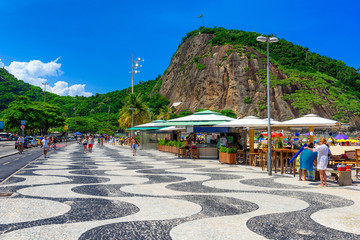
133,100
165,113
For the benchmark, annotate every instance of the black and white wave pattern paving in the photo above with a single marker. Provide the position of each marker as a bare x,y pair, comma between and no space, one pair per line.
110,194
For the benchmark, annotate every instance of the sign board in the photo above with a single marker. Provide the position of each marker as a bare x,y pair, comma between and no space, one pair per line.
22,127
1,125
23,122
66,127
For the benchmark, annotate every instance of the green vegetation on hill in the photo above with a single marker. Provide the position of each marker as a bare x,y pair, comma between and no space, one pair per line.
287,54
337,82
91,112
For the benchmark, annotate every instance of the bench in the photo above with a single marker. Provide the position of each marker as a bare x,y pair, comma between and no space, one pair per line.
342,177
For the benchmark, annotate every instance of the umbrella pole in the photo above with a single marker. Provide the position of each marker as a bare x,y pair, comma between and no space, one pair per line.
311,137
251,133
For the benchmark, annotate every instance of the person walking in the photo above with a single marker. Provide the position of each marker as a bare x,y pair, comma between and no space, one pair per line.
91,143
54,141
85,143
322,159
134,145
21,141
45,145
101,140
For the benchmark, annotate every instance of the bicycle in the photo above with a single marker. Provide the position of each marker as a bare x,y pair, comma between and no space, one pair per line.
20,148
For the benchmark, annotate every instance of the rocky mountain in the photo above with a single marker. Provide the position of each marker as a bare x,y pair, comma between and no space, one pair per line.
233,76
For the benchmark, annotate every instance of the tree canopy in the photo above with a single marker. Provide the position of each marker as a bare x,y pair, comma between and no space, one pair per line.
39,116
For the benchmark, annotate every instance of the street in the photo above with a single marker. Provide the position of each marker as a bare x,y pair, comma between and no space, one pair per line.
110,194
12,163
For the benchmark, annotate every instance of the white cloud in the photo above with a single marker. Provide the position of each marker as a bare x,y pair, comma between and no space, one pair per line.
1,64
62,88
33,72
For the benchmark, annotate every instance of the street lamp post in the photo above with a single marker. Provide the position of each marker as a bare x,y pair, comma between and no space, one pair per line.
45,90
134,65
132,119
268,40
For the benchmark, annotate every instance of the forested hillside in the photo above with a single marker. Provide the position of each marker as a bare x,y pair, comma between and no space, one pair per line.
218,68
85,106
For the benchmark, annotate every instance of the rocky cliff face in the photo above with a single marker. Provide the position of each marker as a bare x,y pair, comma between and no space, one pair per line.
229,77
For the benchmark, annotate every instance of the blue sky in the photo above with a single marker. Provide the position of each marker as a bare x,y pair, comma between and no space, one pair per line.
95,39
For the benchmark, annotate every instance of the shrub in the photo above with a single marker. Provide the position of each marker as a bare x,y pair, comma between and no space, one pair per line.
223,149
231,150
200,66
247,100
162,142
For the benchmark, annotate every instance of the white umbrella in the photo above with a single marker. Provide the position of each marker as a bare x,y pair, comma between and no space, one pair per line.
272,121
310,120
203,116
249,121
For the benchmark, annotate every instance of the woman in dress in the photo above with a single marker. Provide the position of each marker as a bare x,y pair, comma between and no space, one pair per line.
85,143
322,159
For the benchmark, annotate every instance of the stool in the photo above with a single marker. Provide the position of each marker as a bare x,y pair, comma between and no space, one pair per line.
194,153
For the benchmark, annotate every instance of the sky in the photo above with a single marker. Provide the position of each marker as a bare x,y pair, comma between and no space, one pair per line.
84,47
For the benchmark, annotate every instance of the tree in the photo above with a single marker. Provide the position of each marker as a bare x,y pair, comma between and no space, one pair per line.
185,112
228,113
140,113
165,113
39,116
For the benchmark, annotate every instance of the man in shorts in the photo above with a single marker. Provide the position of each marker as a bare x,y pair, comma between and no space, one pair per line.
90,143
45,144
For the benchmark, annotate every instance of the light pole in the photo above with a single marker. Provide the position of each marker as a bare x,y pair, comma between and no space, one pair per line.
45,90
268,40
134,66
132,119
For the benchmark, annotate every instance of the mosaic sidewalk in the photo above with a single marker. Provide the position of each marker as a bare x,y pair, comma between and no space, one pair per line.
109,194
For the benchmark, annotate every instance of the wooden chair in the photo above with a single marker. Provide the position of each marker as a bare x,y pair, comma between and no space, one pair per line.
351,155
357,164
182,153
240,156
194,153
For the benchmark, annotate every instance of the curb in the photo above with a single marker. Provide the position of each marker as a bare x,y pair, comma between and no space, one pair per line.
9,154
16,152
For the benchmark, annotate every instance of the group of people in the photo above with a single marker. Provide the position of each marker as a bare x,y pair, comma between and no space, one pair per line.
323,154
45,143
88,143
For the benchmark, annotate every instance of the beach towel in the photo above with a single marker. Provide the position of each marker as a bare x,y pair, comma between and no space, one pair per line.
307,159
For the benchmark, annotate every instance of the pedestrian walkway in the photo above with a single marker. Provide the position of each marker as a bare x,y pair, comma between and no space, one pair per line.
110,194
